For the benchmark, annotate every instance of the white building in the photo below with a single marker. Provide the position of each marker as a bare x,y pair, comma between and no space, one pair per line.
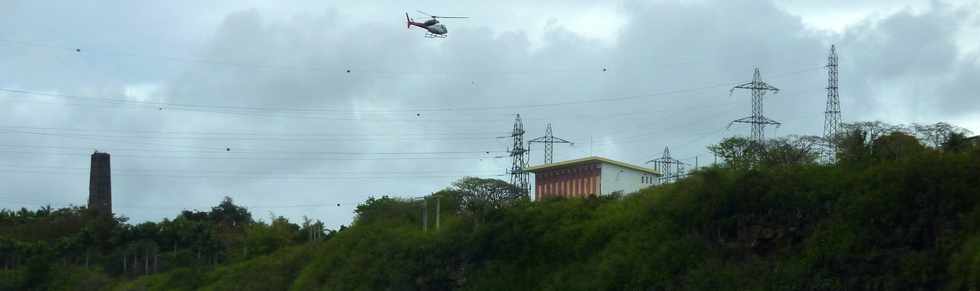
590,176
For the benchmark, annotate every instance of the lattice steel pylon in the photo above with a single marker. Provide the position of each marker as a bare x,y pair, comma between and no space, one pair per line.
549,141
832,120
757,120
518,154
669,168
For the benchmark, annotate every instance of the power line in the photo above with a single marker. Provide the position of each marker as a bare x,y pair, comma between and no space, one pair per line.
347,71
314,158
128,141
232,137
233,155
228,176
232,173
425,134
712,115
252,110
340,71
652,134
222,136
237,152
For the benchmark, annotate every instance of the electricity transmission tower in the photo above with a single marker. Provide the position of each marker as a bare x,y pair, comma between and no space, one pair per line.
757,120
549,142
669,168
518,155
831,124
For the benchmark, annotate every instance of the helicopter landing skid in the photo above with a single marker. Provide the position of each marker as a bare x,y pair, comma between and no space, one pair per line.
433,35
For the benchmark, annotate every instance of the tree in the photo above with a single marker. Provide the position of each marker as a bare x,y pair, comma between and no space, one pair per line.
228,214
938,134
385,210
872,130
738,152
863,141
478,194
957,141
895,145
851,146
792,150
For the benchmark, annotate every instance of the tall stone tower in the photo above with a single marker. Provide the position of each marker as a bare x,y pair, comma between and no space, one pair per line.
100,185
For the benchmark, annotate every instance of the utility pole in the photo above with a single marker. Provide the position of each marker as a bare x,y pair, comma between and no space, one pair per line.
669,168
518,154
831,124
438,207
549,141
757,120
425,214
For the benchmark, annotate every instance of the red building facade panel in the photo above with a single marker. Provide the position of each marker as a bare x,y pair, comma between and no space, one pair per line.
572,181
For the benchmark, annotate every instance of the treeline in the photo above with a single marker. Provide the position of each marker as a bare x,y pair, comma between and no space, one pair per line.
895,208
45,248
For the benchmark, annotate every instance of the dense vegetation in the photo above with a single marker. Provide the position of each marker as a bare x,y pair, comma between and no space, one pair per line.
898,210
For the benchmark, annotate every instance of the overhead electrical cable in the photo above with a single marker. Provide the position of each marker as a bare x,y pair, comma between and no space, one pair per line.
254,109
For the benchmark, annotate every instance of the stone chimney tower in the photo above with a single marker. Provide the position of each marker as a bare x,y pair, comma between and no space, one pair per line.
100,185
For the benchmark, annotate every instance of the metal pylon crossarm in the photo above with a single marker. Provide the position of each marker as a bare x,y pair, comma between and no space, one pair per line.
758,120
549,140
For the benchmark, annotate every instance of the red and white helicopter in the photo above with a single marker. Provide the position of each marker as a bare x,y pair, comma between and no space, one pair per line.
433,28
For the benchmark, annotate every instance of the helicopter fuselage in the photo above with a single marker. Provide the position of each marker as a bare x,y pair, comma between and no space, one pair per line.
437,28
432,26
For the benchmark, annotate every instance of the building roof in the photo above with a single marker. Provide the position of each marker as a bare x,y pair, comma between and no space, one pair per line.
543,167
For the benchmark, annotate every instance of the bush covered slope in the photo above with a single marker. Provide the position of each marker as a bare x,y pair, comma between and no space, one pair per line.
909,223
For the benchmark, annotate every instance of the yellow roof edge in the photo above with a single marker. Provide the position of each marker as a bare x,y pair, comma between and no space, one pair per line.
590,159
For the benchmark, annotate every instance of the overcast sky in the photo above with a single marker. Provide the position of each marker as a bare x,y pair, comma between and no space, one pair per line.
253,99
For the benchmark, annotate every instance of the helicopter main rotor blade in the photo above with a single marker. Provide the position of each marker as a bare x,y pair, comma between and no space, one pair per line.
423,13
450,17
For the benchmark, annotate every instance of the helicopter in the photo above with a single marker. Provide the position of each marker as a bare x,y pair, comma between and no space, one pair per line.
433,28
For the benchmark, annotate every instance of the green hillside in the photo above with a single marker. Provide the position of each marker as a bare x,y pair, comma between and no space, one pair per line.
899,210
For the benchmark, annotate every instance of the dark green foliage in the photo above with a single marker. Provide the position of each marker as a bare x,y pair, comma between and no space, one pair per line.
743,153
894,213
72,249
